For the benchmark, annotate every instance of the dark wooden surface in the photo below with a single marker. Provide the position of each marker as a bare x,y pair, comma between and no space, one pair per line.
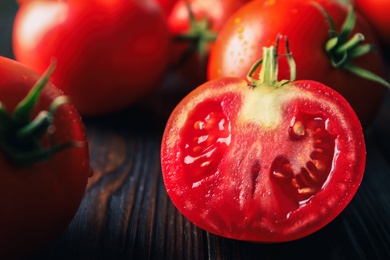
126,213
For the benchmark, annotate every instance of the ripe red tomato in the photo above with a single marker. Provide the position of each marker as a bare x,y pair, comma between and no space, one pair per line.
110,54
40,189
377,13
257,24
265,163
194,25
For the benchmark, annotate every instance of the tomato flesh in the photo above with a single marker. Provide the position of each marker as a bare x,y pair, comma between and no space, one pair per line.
264,165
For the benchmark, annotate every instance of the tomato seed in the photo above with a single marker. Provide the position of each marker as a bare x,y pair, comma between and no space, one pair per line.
204,164
198,125
305,191
312,175
197,149
279,175
294,182
298,128
320,165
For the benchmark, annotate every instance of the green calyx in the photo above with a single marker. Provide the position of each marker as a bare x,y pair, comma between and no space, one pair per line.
342,49
198,36
269,70
20,135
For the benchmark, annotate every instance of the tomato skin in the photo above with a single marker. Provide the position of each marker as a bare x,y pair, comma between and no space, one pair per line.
233,193
377,13
257,24
166,5
40,200
216,12
110,54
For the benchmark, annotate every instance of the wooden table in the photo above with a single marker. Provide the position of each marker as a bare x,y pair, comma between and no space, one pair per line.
126,213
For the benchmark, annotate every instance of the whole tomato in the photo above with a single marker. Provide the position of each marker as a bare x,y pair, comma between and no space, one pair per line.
377,13
322,53
270,162
110,54
44,161
194,25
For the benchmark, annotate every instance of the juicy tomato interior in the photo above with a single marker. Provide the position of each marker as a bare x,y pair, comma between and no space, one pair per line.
207,135
309,132
210,132
243,174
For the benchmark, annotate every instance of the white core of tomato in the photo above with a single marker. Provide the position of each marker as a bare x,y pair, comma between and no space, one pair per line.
264,105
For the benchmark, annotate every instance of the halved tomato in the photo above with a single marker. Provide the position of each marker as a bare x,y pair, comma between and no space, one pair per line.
270,161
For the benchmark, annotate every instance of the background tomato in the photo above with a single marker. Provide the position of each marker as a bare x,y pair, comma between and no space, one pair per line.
266,163
257,24
110,54
192,40
377,13
39,200
194,36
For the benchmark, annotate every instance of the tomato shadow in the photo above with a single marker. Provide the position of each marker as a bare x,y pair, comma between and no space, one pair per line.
315,246
332,242
135,119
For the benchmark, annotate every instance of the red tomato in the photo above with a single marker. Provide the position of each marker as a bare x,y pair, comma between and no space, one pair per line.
110,54
257,24
196,36
265,163
377,13
40,194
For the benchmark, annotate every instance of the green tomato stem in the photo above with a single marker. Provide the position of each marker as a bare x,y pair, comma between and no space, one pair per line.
269,71
24,108
198,37
20,136
351,44
37,127
342,49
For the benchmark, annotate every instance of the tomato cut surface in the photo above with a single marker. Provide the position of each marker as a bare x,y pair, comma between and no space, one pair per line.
211,137
264,164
